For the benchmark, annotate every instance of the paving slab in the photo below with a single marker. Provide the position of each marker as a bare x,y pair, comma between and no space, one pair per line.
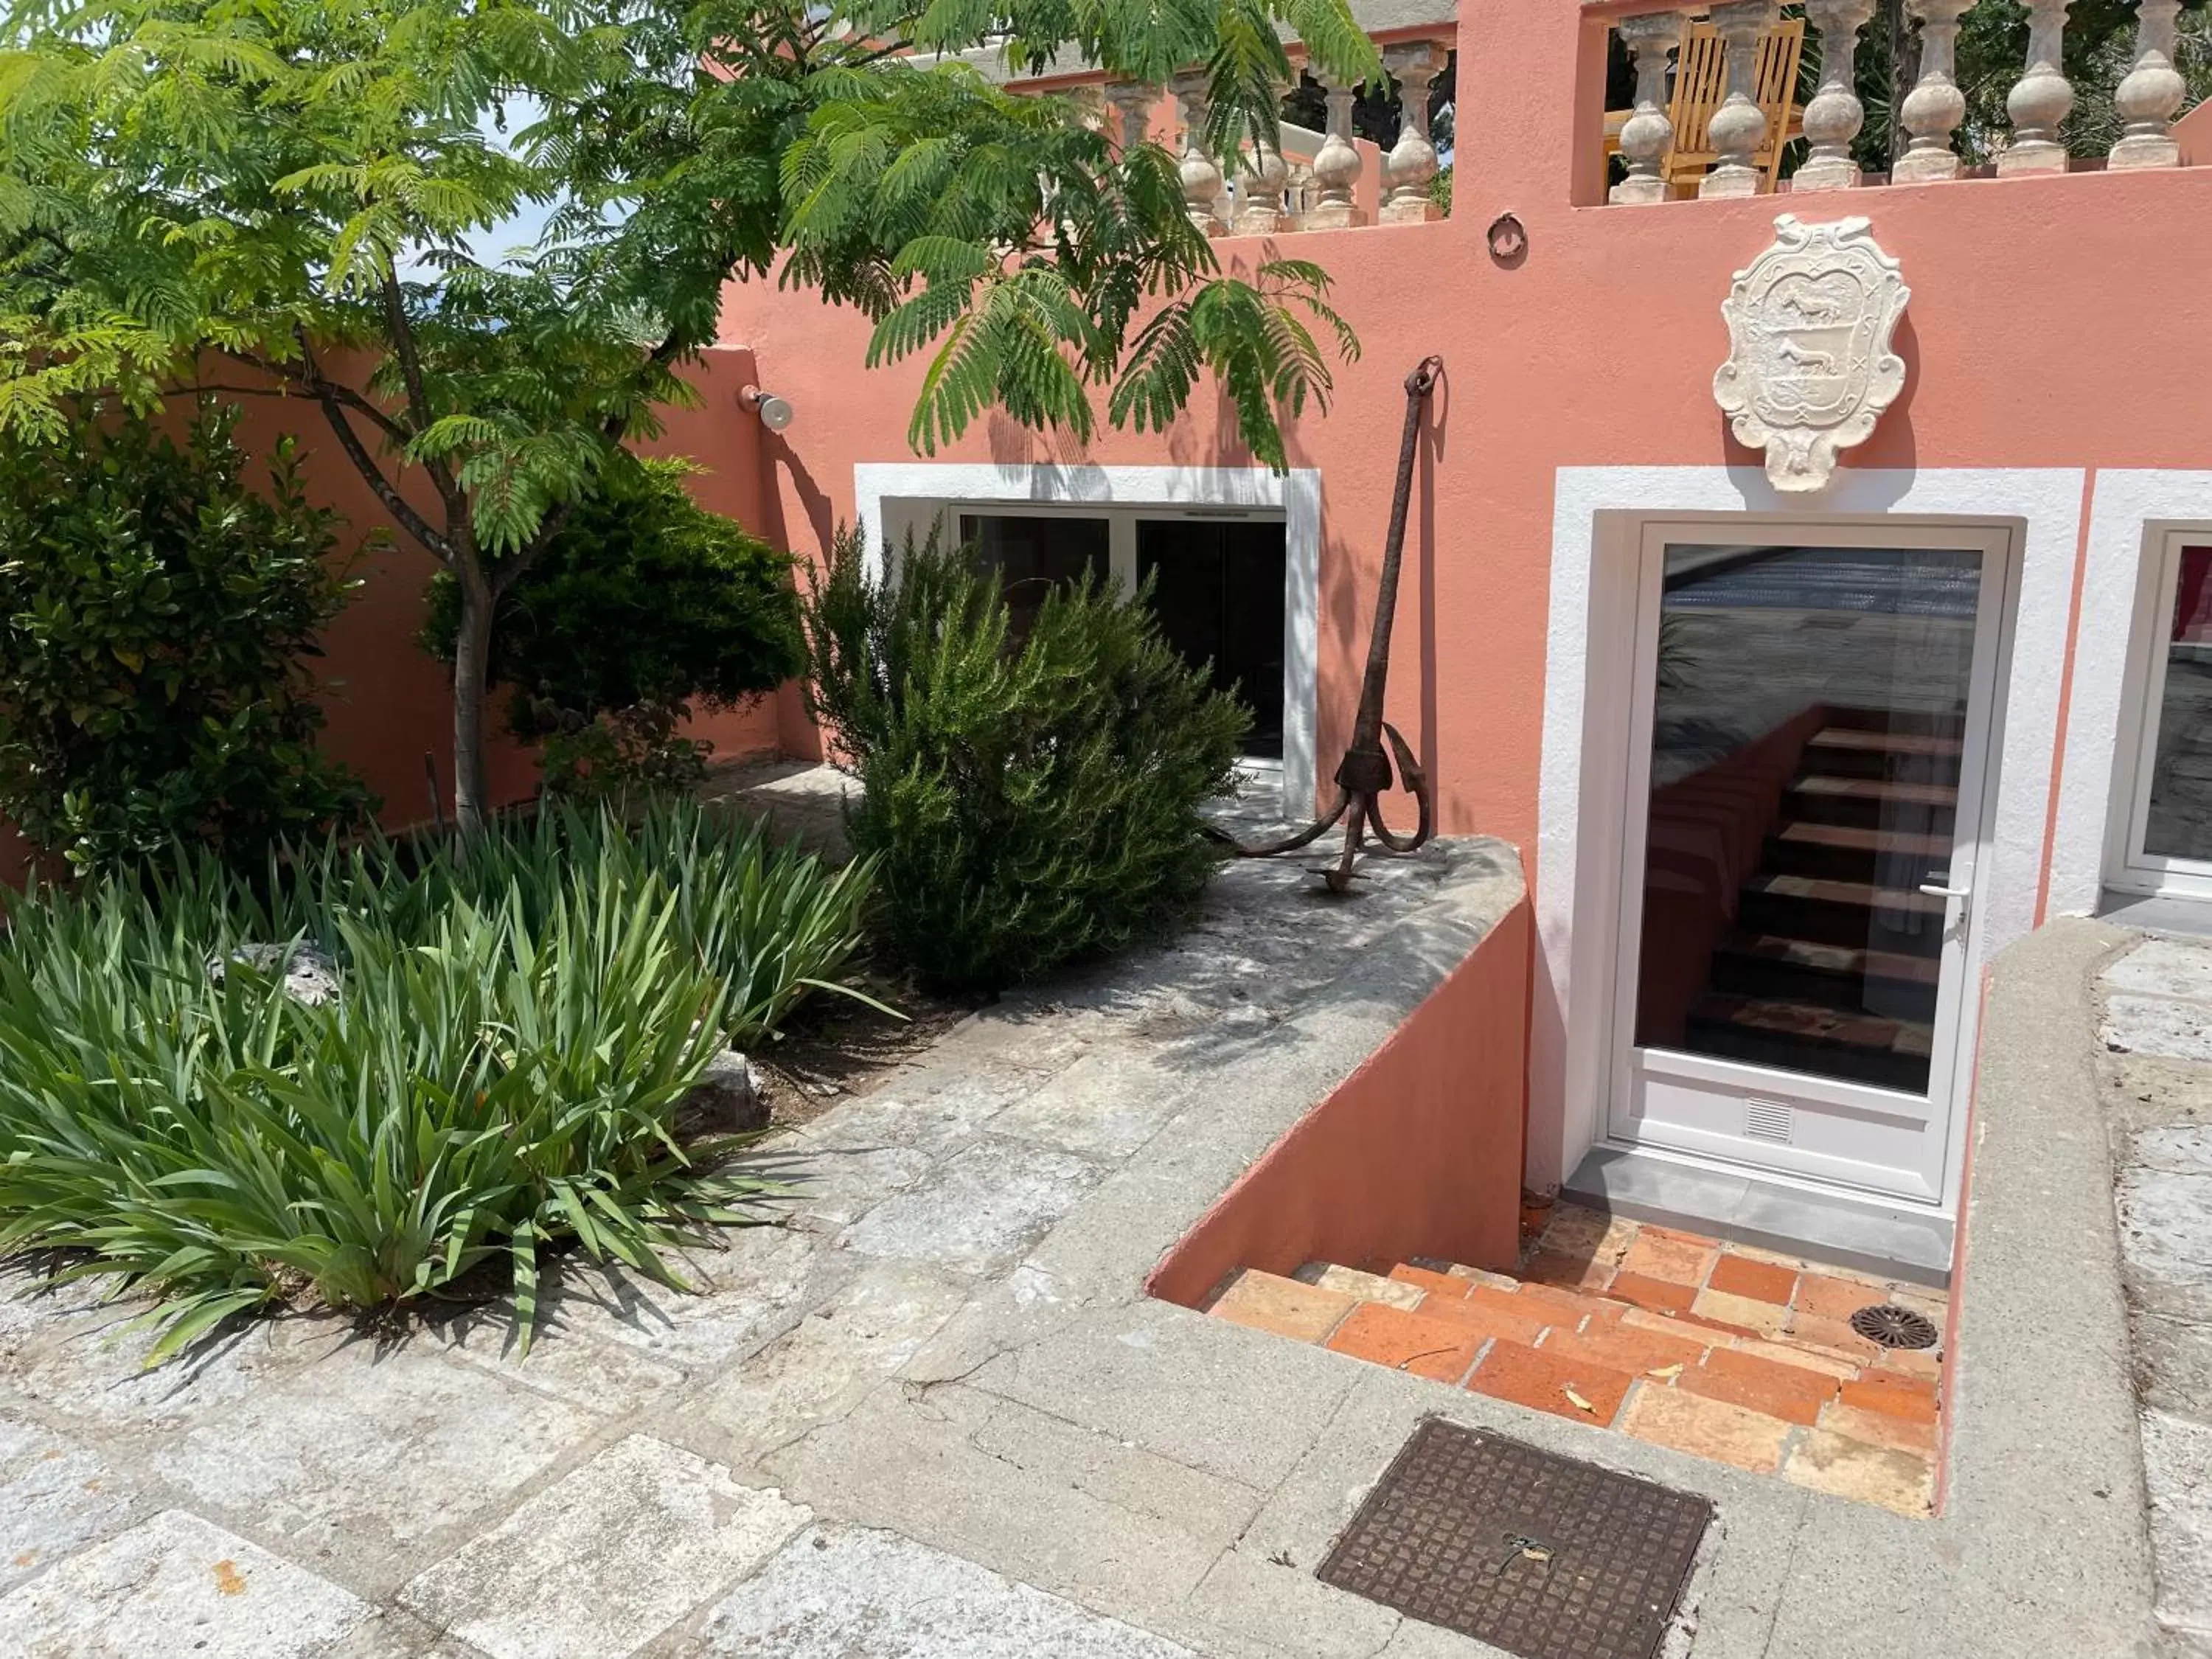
825,1364
2158,1025
661,1529
2177,1470
850,1593
1105,1105
175,1585
743,1294
1186,1386
980,1210
59,1497
363,1461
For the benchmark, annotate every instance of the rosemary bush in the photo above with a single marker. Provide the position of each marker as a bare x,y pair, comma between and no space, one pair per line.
499,1071
1030,802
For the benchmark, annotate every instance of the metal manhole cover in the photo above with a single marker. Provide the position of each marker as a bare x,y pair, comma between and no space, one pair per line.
1893,1326
1542,1555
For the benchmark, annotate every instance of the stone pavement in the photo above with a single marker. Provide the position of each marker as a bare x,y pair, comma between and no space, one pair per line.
2157,1033
742,1472
935,1417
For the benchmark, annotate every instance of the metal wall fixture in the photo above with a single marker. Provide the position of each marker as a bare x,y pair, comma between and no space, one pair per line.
775,413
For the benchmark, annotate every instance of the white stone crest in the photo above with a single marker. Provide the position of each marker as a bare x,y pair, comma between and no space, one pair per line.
1810,368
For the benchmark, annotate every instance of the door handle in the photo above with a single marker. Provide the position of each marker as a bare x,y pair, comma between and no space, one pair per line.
1938,890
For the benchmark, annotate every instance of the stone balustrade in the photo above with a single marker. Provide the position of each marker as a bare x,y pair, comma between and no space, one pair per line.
1310,181
1735,155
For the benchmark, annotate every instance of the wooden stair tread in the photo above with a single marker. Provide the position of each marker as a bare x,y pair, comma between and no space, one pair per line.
1809,1023
1864,838
1849,961
1923,795
1893,742
1822,890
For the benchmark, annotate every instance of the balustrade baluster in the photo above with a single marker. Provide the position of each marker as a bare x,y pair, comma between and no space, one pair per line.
1411,163
2150,93
1935,106
1262,176
1201,174
1835,116
1336,163
1738,127
2040,100
1132,102
1649,133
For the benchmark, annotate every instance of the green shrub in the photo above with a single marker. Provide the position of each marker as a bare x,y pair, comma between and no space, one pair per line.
643,605
1028,805
156,616
500,1069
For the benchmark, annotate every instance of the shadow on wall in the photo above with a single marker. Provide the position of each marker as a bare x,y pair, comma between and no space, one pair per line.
1418,1153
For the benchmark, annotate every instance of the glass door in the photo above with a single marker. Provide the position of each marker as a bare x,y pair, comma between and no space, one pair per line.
1808,756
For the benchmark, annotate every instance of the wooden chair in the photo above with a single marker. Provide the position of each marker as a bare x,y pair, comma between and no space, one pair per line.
1701,84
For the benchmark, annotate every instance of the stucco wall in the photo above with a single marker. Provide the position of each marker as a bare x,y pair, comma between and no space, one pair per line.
2054,321
1418,1152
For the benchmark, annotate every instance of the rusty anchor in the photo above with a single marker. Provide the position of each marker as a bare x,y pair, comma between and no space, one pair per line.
1363,775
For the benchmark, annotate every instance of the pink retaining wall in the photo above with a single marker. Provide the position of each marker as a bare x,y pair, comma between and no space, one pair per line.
1418,1152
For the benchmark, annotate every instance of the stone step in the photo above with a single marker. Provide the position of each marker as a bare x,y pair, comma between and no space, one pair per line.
1844,751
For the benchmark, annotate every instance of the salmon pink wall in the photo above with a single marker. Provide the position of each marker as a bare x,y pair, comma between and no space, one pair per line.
388,702
1418,1152
2054,321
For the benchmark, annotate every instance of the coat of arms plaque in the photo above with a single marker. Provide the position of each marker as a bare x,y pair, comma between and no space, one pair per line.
1810,368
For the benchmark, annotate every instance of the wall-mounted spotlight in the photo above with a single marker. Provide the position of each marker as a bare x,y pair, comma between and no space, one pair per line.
775,413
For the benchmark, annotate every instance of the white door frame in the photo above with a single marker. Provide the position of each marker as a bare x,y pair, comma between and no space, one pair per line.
2129,513
1950,1058
890,498
1595,515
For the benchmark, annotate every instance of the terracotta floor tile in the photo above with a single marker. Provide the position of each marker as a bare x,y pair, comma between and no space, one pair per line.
1796,1264
1687,1325
1785,1353
1765,1318
1268,1302
1825,1296
1578,1271
1441,1349
1880,1429
1657,1295
1368,1287
1762,1281
1480,1276
1434,1283
1790,1392
1562,1305
1927,1363
1507,1324
1912,1398
1529,1377
1706,1428
1627,1348
1837,1464
1832,1336
1577,1231
1677,1258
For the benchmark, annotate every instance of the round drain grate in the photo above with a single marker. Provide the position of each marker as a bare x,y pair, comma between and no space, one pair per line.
1893,1326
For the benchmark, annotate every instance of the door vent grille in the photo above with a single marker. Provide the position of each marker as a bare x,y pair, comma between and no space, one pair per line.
1767,1120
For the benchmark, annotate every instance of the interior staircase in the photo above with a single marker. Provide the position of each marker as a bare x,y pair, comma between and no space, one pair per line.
1833,965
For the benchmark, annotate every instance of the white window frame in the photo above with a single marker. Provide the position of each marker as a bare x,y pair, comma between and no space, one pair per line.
2129,868
890,498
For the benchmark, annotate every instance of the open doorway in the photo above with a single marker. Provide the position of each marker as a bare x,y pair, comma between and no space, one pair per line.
1218,586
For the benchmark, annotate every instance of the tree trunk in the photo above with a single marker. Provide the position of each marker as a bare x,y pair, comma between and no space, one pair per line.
471,659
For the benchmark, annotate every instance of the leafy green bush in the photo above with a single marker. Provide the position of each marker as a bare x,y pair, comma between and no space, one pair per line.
500,1069
1028,804
644,604
155,619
